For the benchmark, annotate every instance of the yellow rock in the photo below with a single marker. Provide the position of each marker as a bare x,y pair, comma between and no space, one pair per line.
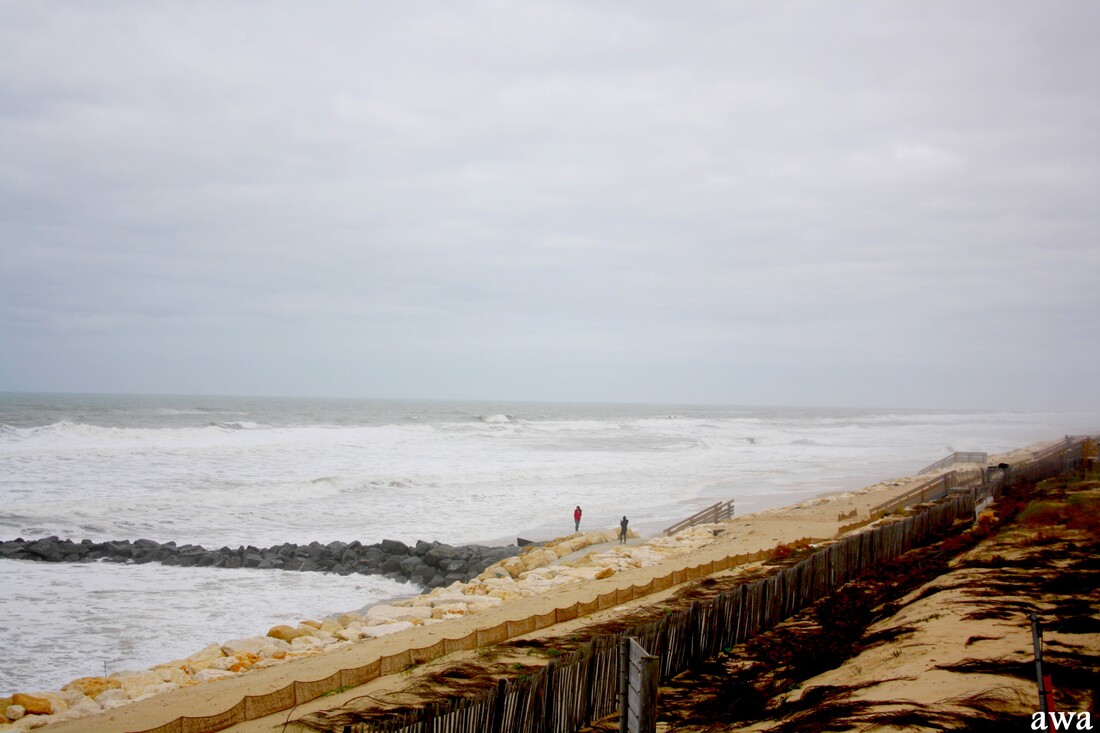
513,565
138,683
32,705
287,633
175,672
450,610
605,573
204,658
507,595
308,622
245,661
493,571
570,546
538,558
583,573
60,701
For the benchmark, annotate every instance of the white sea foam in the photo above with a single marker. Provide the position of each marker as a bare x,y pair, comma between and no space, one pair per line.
86,619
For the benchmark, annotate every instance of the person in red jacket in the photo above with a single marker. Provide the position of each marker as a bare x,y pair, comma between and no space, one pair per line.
577,519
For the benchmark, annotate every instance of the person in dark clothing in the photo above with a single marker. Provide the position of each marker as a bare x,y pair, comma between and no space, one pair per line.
576,519
622,530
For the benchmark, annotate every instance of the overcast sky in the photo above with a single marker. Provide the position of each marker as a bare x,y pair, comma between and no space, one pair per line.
801,203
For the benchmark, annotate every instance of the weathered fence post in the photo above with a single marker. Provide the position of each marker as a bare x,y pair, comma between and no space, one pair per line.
429,718
498,706
1046,693
549,709
639,672
651,671
589,683
624,681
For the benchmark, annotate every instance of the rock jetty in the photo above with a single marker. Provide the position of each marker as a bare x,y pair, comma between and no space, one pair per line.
536,569
427,564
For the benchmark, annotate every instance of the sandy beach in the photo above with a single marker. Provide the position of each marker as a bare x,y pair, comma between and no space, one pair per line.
635,563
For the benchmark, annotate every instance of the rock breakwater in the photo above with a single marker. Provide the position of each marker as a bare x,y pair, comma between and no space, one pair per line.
525,572
427,564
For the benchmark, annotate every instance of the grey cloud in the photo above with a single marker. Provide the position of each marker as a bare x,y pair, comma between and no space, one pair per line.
798,202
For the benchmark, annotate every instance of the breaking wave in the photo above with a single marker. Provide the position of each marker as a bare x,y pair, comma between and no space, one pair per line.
498,419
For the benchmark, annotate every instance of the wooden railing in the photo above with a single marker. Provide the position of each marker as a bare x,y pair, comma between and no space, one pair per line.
714,513
1065,448
956,457
1059,457
930,490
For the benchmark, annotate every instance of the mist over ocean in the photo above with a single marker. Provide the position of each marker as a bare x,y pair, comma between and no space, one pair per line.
262,471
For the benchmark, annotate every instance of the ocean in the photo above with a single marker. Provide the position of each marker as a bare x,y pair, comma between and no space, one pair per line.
237,471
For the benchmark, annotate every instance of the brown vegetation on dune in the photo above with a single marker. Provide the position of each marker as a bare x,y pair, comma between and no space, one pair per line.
1042,555
741,685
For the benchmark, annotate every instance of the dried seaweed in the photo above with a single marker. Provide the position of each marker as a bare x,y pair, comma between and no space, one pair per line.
985,712
975,639
887,636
